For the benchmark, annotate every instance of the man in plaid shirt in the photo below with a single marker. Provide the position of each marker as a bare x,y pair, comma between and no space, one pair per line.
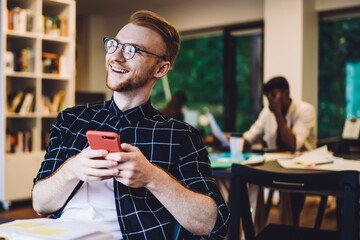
162,176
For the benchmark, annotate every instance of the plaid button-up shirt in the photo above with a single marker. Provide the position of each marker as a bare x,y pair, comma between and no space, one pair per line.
170,144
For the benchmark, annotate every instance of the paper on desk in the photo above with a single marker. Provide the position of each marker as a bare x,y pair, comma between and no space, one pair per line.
225,160
45,228
320,156
217,131
280,155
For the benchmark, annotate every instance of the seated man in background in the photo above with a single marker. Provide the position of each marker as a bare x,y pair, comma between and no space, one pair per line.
161,177
286,124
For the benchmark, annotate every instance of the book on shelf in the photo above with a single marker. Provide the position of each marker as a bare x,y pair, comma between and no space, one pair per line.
58,101
51,229
19,141
55,26
27,104
23,60
9,61
20,20
21,102
54,104
51,63
14,101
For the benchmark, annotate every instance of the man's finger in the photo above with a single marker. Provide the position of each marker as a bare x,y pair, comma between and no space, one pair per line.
89,153
129,148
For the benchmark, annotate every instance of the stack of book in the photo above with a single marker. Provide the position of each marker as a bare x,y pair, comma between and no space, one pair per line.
52,104
51,63
21,102
55,26
19,141
20,20
21,61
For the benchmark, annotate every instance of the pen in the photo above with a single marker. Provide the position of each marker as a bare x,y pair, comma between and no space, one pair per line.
322,163
317,164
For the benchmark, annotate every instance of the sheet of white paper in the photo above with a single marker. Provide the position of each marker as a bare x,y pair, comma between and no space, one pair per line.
320,155
279,155
217,131
316,156
45,228
319,158
337,165
351,129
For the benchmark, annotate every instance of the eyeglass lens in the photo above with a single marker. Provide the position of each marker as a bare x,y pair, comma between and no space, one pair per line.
110,45
128,50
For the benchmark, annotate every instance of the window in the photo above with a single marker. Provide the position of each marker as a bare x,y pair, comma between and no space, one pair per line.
198,71
242,77
339,73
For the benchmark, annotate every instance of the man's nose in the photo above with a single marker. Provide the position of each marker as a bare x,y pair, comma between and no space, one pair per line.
118,54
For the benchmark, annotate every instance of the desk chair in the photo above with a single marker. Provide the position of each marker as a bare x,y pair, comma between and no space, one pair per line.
341,184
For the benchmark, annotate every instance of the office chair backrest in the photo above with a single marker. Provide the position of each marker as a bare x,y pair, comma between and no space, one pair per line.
342,183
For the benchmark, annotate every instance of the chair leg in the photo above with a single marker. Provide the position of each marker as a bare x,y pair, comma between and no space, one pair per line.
268,203
338,213
321,211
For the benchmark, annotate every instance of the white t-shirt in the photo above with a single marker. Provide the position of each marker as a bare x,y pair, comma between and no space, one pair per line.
94,202
301,119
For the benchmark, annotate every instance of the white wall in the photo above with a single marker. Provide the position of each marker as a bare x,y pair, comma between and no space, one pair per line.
291,46
283,42
290,35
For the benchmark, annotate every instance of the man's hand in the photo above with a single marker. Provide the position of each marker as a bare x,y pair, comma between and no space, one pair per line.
51,193
274,104
194,211
90,165
134,169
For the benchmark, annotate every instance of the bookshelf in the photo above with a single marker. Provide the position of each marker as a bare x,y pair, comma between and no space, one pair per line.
37,71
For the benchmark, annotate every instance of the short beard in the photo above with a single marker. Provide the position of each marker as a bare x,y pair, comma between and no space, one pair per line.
128,85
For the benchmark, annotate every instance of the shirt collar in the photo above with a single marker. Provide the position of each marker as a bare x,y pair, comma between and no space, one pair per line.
132,115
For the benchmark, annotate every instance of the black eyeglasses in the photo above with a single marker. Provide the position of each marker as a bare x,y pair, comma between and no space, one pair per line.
128,50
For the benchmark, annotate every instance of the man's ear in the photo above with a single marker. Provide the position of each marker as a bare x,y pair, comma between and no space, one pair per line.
163,69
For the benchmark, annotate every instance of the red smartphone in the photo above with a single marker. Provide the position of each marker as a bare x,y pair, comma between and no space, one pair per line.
109,141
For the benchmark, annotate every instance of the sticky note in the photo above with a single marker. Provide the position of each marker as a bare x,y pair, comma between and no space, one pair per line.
24,224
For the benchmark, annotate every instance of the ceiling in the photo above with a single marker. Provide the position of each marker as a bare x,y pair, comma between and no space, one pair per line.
86,7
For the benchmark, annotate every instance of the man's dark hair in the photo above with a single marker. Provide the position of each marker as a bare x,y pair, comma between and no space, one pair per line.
276,83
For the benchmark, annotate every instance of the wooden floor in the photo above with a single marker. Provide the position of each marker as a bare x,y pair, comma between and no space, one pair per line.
24,210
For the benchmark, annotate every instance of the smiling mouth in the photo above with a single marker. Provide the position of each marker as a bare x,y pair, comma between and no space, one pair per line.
118,70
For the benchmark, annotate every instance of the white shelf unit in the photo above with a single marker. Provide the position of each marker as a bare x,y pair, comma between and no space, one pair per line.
41,77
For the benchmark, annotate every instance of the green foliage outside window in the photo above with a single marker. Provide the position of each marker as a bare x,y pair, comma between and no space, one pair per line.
245,53
339,42
197,71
